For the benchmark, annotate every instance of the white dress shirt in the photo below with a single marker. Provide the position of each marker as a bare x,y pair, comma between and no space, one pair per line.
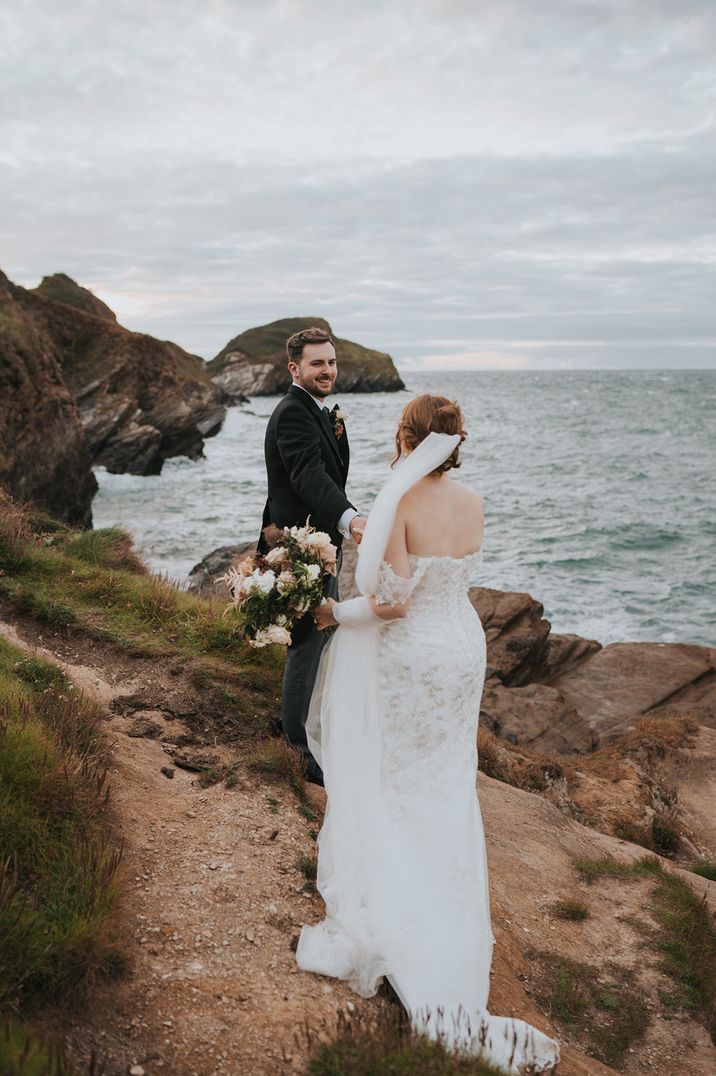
344,523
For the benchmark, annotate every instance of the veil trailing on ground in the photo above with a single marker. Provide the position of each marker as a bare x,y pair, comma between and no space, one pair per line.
401,865
343,731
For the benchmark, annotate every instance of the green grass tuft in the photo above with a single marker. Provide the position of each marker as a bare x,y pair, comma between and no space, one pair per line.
685,938
573,910
705,868
606,1014
57,862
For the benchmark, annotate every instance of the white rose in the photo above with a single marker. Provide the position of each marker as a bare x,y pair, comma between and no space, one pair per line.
261,581
275,555
276,634
313,571
318,542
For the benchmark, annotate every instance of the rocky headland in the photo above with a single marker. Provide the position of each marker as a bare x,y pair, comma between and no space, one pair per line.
78,389
254,362
140,400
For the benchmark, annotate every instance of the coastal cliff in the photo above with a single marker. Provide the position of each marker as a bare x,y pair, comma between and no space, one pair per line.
43,453
140,400
254,362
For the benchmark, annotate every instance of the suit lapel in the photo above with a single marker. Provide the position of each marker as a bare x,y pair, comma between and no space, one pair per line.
324,427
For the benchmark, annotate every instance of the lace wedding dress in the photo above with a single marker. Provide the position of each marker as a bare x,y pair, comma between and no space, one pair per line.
402,865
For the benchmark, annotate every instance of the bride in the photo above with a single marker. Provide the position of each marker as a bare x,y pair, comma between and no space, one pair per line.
393,723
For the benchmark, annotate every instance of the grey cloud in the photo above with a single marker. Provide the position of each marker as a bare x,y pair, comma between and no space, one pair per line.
482,174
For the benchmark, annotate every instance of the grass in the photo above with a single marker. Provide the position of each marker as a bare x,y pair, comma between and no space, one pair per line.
607,1014
276,759
57,859
684,939
93,582
705,868
382,1044
573,910
24,1054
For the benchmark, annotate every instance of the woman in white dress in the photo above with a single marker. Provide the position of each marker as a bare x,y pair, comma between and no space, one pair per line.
393,723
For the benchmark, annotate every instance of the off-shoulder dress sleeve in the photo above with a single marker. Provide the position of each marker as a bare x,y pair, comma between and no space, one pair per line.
392,589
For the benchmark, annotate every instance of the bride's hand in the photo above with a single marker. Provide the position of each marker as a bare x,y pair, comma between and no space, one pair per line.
323,615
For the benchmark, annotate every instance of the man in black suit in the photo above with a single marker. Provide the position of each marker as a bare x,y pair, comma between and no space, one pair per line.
307,468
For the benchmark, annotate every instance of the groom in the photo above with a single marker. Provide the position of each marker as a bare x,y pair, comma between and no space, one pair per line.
307,460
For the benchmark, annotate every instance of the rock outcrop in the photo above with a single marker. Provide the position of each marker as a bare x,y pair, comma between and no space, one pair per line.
43,454
254,362
140,400
557,694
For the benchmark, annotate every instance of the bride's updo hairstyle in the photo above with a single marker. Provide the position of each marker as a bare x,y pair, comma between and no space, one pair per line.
429,414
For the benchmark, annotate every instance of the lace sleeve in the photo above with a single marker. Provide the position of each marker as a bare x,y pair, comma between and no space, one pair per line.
392,589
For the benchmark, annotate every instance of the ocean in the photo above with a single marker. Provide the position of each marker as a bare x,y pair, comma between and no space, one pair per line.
599,491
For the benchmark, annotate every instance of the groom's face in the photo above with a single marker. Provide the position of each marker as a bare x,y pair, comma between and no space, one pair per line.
316,370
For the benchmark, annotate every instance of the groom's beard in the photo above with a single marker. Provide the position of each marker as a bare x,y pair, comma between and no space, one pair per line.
312,385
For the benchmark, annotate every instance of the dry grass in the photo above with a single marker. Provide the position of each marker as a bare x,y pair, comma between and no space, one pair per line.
276,758
381,1043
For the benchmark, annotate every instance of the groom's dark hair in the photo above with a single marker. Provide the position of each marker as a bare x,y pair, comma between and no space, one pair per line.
296,343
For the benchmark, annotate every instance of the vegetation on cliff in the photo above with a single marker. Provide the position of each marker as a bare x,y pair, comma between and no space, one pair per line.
254,362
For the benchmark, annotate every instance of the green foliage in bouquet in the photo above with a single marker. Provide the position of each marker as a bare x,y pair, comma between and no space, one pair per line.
270,592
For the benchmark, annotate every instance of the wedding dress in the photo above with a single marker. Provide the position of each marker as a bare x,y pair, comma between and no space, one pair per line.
402,865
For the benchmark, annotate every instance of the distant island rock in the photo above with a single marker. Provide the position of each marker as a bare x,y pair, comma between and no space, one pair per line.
254,362
44,457
140,400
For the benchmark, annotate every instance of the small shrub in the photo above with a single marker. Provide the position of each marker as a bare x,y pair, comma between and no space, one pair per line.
705,868
665,836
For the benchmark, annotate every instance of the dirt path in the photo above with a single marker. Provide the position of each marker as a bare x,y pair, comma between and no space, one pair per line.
213,902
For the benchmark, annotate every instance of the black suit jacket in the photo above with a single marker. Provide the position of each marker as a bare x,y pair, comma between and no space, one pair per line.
307,468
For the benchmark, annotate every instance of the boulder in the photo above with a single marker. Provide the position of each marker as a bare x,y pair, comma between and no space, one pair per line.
254,362
536,715
43,454
140,400
621,683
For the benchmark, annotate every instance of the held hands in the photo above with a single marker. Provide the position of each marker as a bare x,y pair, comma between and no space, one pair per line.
356,527
323,615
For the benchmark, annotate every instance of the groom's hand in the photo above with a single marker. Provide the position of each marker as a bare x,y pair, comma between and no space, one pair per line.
356,527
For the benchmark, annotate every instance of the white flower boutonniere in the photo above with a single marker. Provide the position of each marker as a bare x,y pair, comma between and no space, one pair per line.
338,421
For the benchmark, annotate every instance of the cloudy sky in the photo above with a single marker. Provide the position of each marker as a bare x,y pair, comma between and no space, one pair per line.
497,184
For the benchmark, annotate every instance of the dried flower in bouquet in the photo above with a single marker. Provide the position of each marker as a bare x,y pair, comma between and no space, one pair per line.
271,591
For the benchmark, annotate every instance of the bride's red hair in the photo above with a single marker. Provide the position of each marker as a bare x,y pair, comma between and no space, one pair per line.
429,414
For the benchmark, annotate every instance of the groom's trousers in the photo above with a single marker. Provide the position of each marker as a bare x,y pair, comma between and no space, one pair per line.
302,661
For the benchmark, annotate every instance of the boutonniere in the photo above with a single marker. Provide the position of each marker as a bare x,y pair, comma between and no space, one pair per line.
338,421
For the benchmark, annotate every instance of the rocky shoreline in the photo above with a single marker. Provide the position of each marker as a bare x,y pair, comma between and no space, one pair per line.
559,694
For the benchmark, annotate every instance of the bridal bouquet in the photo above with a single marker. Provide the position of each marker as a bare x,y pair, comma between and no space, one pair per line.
272,591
